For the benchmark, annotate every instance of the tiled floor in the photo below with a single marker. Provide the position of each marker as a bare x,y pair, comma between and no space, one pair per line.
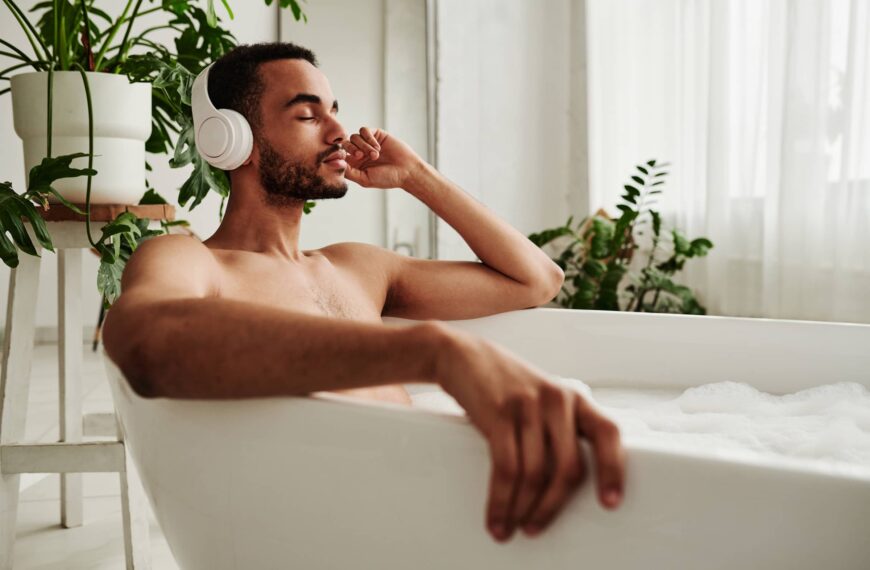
41,543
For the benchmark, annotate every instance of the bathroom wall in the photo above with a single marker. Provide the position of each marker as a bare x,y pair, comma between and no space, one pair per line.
512,110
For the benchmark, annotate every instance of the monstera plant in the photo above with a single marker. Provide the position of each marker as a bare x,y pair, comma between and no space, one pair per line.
77,36
626,264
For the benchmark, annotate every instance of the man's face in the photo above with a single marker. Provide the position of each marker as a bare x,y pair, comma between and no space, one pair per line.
298,131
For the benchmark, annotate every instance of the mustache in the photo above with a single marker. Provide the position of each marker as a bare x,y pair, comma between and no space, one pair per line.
322,156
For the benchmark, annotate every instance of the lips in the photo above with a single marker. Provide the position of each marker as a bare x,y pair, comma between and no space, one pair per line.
336,159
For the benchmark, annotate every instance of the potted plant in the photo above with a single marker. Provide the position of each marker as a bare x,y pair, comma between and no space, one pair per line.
626,264
92,107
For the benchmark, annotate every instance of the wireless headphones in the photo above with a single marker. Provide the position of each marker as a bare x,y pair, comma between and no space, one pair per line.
223,137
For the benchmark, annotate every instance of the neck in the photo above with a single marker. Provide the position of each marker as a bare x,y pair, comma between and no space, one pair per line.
251,224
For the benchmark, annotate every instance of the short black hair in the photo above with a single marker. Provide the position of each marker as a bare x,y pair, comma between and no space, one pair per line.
234,81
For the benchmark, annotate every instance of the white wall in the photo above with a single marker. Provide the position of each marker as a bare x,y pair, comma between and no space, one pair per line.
507,123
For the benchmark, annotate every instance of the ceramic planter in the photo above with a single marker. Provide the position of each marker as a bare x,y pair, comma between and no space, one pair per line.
122,124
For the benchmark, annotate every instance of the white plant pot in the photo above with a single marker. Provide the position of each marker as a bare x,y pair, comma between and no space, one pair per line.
122,124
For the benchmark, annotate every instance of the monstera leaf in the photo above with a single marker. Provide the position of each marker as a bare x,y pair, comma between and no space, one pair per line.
51,169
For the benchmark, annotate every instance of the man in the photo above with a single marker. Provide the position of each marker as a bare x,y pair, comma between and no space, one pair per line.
247,314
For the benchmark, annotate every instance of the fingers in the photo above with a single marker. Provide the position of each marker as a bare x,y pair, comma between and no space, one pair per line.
363,145
533,460
569,467
357,175
607,449
538,462
505,468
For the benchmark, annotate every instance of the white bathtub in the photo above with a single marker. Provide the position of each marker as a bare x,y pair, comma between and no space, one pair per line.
333,482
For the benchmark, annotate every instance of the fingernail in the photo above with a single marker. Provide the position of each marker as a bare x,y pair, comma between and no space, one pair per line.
374,154
358,154
612,497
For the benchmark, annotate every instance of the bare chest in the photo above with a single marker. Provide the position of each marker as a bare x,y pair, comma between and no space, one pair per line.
321,288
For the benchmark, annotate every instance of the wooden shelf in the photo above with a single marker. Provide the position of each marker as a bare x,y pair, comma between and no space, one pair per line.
106,212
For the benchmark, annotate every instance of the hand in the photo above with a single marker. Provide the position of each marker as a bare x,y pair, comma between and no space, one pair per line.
531,425
376,159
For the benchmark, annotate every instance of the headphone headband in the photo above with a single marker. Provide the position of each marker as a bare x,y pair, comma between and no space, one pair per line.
223,137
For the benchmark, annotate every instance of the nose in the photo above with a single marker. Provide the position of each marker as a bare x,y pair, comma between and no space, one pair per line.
336,133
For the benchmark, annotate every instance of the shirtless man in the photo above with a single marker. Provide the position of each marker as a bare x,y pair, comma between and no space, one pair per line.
247,314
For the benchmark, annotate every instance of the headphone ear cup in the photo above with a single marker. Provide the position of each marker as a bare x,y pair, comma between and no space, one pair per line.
242,140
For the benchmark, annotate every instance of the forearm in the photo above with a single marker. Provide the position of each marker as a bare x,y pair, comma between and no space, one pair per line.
497,244
219,348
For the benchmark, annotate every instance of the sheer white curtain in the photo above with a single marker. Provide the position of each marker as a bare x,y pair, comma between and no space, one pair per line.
763,107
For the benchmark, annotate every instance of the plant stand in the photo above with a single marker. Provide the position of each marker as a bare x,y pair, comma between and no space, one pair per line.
70,457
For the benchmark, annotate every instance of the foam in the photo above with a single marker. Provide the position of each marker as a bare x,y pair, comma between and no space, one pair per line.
829,423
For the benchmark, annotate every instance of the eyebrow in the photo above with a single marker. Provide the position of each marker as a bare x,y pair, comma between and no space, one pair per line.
308,98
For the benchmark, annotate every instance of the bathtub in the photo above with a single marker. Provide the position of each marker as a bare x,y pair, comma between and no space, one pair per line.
333,482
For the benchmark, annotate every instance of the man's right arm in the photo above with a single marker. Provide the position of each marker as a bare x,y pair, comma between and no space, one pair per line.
172,337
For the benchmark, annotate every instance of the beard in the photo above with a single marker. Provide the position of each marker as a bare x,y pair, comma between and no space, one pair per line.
289,183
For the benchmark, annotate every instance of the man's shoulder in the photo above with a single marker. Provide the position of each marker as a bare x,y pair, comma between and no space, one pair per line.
175,242
172,251
355,250
362,257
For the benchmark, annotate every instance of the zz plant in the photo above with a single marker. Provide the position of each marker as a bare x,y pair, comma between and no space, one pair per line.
76,35
627,264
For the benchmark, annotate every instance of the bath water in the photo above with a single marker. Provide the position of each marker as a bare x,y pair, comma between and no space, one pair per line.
829,423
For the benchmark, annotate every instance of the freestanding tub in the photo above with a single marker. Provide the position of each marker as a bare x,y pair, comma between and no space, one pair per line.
334,482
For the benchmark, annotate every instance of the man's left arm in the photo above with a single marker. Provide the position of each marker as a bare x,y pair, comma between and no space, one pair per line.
513,273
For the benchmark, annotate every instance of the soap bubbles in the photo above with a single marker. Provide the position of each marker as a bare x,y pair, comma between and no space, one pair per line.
829,423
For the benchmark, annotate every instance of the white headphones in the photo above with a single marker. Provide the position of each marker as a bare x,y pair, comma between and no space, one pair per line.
223,137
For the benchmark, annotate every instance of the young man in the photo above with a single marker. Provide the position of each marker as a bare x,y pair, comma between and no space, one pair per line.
246,313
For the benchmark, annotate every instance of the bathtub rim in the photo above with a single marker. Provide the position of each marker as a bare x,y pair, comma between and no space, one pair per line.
462,426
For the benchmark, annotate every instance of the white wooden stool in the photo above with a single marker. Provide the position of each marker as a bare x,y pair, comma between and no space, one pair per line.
70,457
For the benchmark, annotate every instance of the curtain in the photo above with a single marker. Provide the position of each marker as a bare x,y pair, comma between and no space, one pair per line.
763,109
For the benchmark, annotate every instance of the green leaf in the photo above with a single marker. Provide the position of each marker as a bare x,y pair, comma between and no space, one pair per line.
642,169
602,235
8,252
109,279
638,179
152,197
211,17
14,206
10,221
656,223
594,268
51,169
681,244
542,238
608,298
699,247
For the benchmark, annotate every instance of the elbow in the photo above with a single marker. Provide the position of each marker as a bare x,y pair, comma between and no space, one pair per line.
127,349
139,375
549,288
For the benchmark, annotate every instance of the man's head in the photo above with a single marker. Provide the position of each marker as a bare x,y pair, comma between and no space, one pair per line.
292,112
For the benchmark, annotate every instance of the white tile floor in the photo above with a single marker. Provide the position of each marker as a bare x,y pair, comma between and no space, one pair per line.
41,543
